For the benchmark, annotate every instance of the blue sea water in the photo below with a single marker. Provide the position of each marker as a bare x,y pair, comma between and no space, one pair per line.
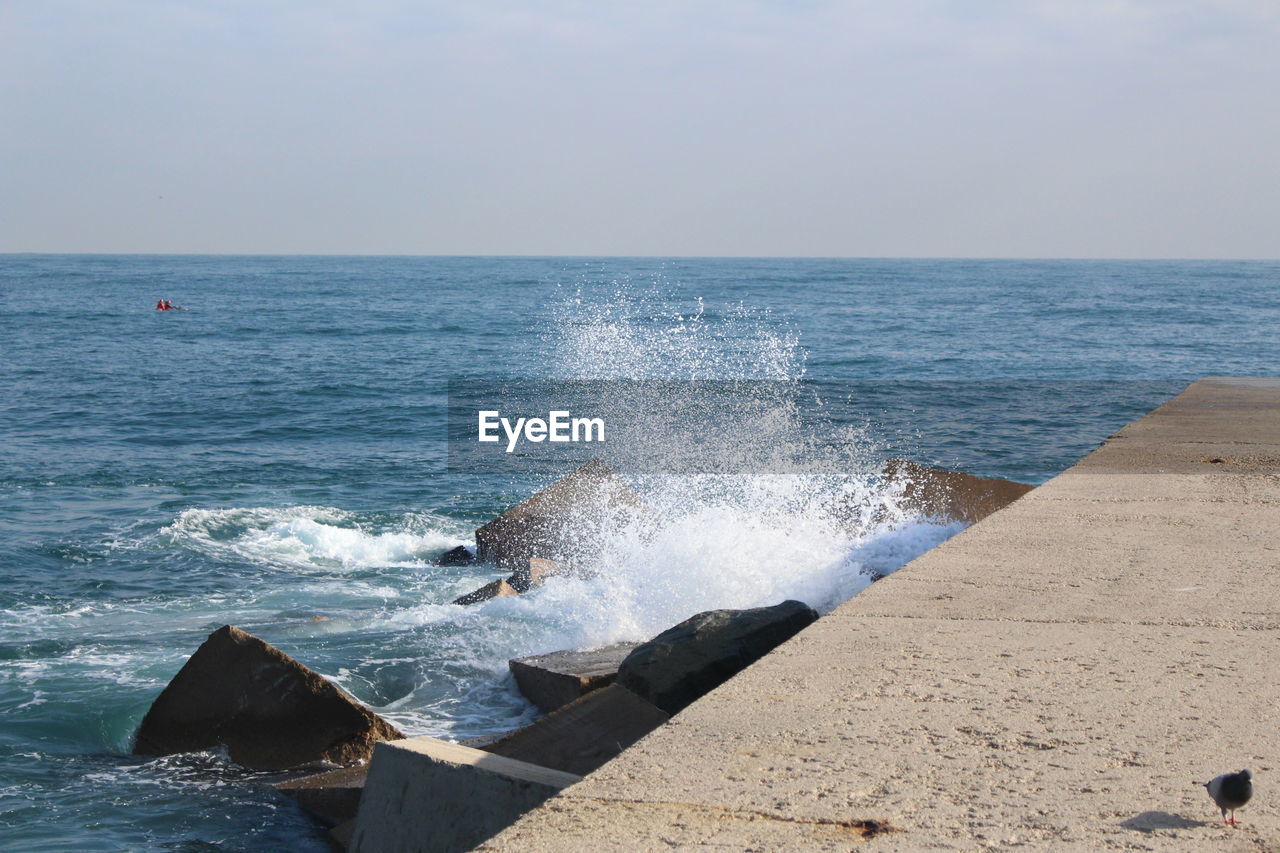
275,458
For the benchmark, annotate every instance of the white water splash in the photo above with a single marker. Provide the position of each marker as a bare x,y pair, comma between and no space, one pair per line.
640,334
819,533
304,538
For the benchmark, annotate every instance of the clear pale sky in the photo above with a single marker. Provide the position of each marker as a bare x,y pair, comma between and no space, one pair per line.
1070,128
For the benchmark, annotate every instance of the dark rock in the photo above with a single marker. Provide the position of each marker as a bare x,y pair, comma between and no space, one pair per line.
930,492
341,834
459,556
704,651
562,522
951,494
333,795
495,589
552,680
270,711
583,735
534,573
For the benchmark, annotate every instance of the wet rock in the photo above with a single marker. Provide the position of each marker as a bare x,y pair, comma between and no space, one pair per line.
552,680
951,494
584,734
534,573
563,522
459,556
704,651
495,589
269,710
930,492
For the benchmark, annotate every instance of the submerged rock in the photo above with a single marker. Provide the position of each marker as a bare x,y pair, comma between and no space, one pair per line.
704,651
494,589
562,522
459,556
269,710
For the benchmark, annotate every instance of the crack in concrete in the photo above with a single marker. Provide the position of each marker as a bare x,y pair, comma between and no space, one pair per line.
866,828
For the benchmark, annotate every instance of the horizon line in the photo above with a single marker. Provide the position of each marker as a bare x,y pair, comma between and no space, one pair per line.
674,257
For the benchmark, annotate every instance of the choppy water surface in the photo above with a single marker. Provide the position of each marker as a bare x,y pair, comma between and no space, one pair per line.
274,458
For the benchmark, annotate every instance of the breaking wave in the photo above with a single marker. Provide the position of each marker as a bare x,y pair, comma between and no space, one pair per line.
819,528
315,537
799,511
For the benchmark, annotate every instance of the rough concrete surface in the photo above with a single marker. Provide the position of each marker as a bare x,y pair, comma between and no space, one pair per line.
424,795
1056,677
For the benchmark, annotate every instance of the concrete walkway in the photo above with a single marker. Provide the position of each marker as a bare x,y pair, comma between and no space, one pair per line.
1054,677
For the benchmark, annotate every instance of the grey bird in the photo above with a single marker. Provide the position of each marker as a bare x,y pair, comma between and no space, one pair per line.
1230,791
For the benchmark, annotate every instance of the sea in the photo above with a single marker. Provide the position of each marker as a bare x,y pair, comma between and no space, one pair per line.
276,456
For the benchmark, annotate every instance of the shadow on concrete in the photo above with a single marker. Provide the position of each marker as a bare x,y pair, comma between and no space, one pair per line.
1151,821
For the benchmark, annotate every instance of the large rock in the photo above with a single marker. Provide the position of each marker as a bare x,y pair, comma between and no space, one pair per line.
583,735
552,680
951,494
424,794
704,651
563,522
270,711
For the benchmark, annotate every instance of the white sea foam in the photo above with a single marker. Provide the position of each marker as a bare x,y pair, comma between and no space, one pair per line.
718,555
315,537
303,541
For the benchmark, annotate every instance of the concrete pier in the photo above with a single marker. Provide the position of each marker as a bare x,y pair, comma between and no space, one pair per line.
1055,677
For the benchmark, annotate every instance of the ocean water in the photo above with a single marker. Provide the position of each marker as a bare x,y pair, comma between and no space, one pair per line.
275,457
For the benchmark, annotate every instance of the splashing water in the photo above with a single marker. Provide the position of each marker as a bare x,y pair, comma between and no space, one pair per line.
639,333
744,537
750,536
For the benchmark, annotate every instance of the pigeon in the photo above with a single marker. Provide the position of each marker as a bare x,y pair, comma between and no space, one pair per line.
1230,791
